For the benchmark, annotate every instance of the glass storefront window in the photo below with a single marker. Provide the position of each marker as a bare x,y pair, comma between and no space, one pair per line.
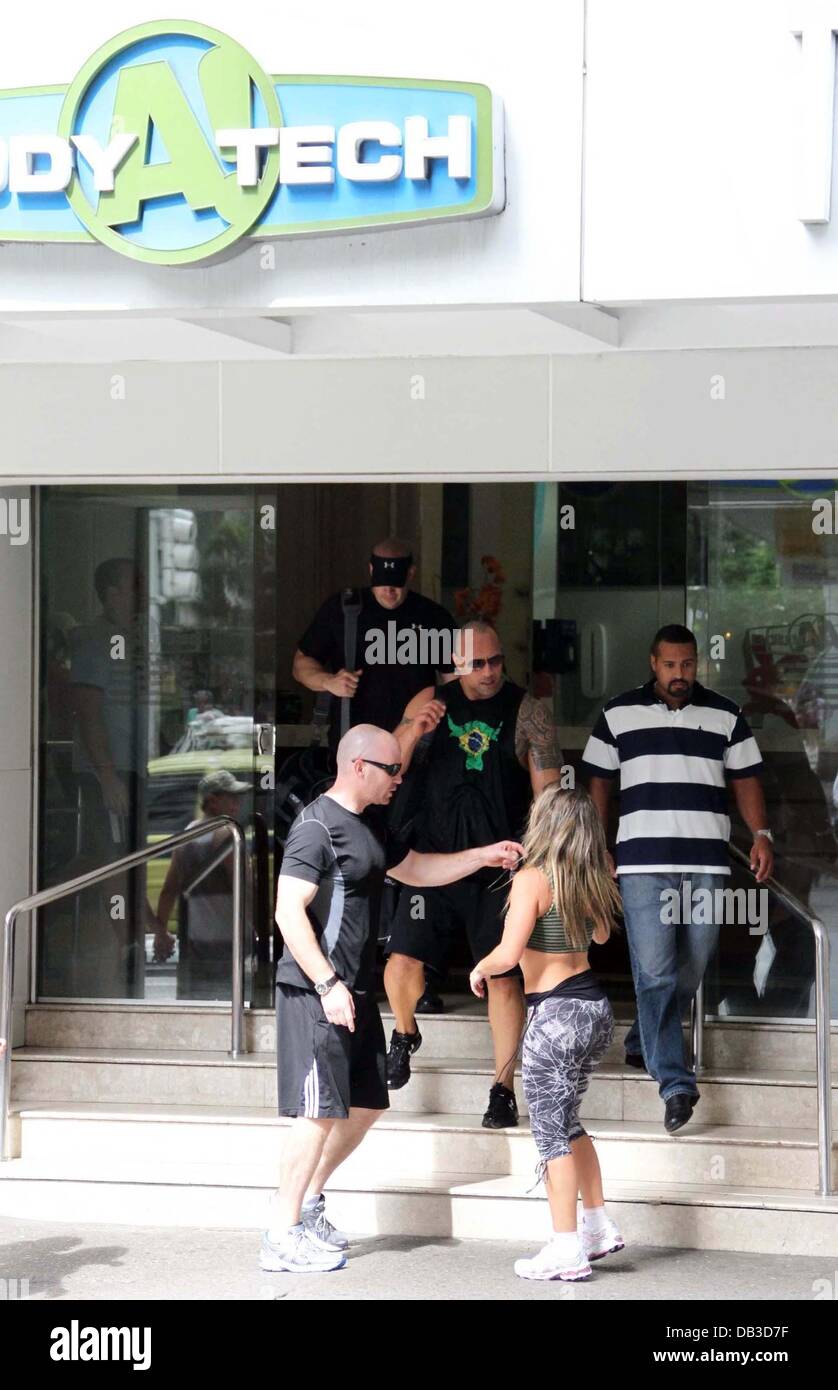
147,725
169,620
762,595
742,566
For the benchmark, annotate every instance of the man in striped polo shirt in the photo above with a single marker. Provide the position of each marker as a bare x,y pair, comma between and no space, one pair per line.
676,745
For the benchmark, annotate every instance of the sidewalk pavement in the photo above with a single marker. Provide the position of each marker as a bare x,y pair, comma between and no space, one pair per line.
69,1261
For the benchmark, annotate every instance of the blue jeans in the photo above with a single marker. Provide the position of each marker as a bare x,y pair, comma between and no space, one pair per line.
668,960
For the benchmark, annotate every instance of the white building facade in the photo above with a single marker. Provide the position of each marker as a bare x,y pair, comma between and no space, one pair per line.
592,331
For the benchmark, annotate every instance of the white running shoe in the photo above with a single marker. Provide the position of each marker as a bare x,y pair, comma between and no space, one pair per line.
320,1229
605,1240
298,1254
553,1263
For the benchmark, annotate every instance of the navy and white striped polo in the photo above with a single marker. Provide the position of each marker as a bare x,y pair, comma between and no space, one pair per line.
673,766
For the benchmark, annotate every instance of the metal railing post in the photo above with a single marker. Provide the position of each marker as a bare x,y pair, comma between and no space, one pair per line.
77,885
823,1026
237,1000
6,1027
697,1028
823,1022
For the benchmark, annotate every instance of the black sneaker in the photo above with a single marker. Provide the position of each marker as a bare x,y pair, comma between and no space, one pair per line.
402,1046
502,1110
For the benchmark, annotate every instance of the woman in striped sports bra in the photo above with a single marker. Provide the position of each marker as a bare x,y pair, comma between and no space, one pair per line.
561,899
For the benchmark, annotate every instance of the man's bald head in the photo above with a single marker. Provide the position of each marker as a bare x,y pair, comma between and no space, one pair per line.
367,741
360,781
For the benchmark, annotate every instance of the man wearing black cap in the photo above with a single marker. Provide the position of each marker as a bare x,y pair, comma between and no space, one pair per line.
394,643
402,640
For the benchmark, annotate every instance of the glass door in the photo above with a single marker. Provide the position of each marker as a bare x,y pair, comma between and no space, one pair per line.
157,711
762,599
609,570
745,565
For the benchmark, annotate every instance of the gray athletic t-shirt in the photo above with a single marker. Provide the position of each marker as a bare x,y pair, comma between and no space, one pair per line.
346,855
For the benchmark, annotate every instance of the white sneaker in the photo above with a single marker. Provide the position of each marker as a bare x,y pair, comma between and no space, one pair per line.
296,1253
605,1240
553,1263
319,1228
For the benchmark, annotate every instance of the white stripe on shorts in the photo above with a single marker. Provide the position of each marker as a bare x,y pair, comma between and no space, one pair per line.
311,1093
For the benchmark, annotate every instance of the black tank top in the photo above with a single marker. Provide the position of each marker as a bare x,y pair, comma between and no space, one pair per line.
476,790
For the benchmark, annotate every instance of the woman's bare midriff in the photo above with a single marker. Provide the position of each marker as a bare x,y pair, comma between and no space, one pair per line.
544,970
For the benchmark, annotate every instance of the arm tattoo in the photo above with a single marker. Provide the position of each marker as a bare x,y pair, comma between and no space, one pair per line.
535,733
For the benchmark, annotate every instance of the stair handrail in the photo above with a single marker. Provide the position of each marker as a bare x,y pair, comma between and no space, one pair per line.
823,1021
82,881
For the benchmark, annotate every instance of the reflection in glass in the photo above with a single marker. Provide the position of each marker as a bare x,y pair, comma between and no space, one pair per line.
760,596
148,651
743,566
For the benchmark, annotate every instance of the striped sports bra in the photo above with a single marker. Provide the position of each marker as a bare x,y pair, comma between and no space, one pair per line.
549,934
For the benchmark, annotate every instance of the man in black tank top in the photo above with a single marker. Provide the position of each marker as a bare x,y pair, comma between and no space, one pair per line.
492,748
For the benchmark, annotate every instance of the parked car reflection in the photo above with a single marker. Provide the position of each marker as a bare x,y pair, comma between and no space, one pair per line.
223,743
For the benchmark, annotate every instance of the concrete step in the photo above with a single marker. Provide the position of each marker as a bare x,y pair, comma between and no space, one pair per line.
764,1097
143,1074
187,1027
462,1205
460,1032
245,1144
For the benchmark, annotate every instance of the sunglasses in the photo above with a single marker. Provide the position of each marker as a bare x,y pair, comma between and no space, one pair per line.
493,662
392,769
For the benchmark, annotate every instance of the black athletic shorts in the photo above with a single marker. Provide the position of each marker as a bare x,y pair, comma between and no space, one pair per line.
428,920
324,1069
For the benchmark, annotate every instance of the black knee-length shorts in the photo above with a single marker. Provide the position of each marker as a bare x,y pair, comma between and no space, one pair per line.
324,1070
428,921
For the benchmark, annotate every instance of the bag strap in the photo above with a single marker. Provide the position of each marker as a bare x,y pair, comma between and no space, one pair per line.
350,602
320,719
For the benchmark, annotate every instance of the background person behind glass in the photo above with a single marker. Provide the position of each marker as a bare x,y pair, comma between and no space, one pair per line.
804,841
817,699
109,690
204,711
205,920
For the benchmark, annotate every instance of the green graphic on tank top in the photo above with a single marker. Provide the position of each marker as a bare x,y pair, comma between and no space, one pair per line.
474,738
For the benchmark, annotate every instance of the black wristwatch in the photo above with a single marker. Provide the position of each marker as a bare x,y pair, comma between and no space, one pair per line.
326,985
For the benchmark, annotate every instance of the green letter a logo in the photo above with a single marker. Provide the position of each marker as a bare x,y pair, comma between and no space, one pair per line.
173,97
149,96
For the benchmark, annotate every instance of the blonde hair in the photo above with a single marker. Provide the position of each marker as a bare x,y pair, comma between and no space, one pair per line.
565,839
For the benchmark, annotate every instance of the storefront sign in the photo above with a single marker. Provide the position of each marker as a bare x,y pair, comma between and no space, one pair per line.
171,145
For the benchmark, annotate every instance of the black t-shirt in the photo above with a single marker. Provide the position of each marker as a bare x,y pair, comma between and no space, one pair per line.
474,789
387,684
346,855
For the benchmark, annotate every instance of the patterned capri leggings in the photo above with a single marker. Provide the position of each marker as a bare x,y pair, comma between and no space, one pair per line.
564,1039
